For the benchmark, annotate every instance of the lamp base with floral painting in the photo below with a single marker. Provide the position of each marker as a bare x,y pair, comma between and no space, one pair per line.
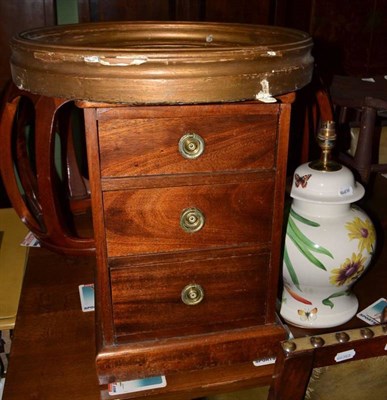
329,242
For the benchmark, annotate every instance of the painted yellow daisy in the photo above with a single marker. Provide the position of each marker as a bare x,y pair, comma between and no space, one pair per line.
349,271
364,232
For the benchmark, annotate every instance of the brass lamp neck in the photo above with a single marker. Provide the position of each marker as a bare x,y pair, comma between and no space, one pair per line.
326,139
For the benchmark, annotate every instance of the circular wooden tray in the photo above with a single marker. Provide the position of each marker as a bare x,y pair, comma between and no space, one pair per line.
156,63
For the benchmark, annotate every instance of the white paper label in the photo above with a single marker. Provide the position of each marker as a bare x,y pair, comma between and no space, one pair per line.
264,361
346,191
345,355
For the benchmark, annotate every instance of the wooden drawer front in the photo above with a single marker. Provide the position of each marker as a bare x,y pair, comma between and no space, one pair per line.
148,220
136,147
147,300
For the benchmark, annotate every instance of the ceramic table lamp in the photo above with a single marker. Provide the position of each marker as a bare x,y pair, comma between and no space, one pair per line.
329,242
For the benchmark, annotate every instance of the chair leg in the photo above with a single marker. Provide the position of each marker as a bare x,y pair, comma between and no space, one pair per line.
363,154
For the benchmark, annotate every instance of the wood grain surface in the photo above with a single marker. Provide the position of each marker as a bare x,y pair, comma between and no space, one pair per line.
148,220
147,299
137,147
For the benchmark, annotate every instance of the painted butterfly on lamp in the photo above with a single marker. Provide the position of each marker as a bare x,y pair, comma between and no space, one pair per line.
308,315
301,180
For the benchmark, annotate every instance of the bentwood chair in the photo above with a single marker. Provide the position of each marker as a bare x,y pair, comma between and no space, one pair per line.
362,104
359,109
44,194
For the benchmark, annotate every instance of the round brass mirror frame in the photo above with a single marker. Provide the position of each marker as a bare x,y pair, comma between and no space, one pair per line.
161,63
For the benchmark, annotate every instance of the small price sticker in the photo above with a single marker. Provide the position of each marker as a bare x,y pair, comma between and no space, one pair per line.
345,355
264,361
346,191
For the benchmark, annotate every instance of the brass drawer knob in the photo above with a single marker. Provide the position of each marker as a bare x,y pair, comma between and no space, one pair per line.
192,220
191,145
192,294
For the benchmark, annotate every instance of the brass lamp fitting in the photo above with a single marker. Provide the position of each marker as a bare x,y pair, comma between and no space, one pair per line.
326,139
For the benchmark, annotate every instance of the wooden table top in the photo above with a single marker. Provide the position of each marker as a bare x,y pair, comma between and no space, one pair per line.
53,345
53,350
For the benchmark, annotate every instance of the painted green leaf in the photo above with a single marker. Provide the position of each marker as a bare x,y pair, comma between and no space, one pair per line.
307,242
327,302
291,270
304,249
302,219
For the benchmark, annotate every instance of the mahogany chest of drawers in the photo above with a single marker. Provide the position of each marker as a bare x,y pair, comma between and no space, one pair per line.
187,207
187,189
